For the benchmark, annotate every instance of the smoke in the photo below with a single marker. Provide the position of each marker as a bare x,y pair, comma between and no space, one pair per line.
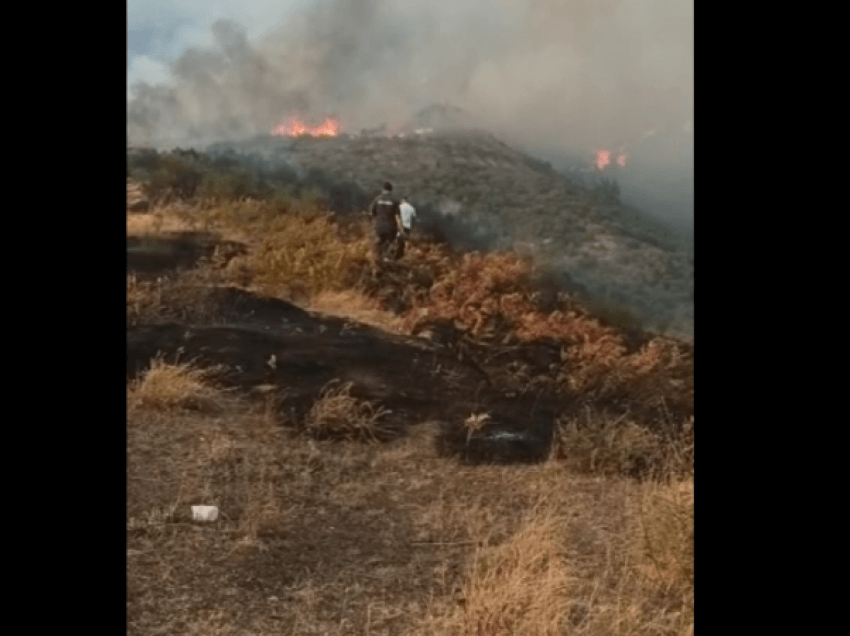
556,77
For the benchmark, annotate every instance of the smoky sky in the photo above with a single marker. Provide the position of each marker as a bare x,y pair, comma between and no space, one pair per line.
558,76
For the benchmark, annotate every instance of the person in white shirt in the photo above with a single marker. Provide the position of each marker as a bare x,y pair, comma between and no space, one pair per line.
408,213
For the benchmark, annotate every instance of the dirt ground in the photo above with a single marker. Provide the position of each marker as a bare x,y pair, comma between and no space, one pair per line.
322,537
430,526
272,342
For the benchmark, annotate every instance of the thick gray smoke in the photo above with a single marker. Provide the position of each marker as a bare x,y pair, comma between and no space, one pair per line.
556,77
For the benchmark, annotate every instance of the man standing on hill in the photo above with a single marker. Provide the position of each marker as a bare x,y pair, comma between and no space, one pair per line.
408,213
387,221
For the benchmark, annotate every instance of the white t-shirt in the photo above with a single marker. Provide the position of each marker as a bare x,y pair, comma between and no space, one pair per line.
407,214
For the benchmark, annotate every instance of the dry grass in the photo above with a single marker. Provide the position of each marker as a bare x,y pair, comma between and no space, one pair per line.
353,304
659,377
185,296
607,445
484,290
475,423
306,250
518,587
664,536
602,444
161,220
338,537
298,254
295,250
200,216
598,556
182,386
491,297
338,414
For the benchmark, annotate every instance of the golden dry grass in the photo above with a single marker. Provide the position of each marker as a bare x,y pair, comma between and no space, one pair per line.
490,296
300,256
475,423
199,216
607,445
599,443
292,251
184,296
517,587
340,537
664,536
551,553
306,250
161,220
336,413
298,253
355,305
183,386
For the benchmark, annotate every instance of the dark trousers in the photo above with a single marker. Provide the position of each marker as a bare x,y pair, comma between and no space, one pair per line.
402,243
384,244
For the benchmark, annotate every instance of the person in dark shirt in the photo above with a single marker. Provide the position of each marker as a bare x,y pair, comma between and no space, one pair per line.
386,217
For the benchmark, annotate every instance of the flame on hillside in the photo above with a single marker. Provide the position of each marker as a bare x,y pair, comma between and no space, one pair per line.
293,127
603,159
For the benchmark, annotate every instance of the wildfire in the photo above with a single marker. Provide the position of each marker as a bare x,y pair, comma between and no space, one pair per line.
603,159
293,127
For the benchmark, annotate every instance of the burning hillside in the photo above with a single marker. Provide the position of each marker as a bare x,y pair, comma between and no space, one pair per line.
344,415
294,127
507,199
355,424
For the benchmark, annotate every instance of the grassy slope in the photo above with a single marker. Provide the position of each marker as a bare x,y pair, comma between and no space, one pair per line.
618,253
352,538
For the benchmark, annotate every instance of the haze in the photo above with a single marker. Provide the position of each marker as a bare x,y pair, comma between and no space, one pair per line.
558,78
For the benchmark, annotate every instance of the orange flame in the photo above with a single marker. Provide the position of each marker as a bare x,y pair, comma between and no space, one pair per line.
603,158
294,127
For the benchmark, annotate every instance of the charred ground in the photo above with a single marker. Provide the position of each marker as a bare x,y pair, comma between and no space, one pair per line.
471,332
457,443
476,190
